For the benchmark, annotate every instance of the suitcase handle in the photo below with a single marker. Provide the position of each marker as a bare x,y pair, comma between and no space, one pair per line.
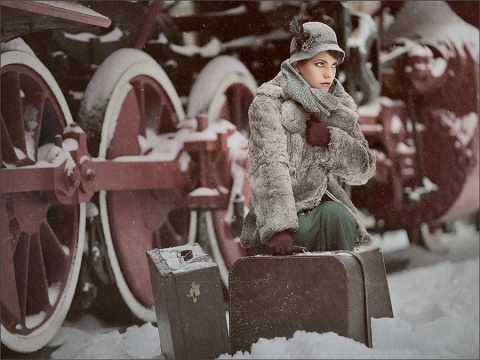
185,255
298,249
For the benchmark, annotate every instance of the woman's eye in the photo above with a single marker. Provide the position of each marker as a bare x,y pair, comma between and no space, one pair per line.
320,64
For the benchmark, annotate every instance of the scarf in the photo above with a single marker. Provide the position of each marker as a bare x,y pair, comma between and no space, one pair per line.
312,100
320,101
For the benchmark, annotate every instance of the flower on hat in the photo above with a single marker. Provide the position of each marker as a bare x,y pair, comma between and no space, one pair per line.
303,39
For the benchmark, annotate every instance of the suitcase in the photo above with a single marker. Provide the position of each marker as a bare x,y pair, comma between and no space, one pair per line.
189,303
274,296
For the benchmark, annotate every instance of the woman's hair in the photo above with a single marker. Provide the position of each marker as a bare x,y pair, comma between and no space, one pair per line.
335,54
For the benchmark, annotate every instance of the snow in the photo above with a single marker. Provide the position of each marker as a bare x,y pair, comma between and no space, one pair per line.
16,44
212,48
435,302
366,27
115,35
464,126
436,66
30,116
137,342
111,71
175,260
203,191
33,320
209,79
397,125
374,108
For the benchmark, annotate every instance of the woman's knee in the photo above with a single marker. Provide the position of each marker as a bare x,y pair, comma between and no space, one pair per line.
340,226
336,212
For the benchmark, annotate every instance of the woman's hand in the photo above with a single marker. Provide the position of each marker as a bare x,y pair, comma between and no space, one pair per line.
316,133
281,243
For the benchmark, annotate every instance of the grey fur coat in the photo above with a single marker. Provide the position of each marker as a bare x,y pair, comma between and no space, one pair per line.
289,176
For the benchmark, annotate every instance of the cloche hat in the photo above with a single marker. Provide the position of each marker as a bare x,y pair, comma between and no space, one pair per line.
310,39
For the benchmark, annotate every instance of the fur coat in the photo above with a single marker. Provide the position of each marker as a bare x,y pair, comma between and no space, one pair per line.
289,176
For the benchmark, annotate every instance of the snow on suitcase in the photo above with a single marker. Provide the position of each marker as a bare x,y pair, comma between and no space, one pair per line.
274,296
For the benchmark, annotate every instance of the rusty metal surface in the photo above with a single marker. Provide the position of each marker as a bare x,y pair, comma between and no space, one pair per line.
270,296
427,138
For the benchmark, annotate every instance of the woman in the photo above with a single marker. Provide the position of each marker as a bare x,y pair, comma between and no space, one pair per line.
305,140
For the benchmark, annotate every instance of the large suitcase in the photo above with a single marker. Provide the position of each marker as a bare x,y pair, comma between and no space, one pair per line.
274,296
189,303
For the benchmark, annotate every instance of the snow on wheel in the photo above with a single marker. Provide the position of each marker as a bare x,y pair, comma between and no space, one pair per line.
41,240
135,100
224,90
364,83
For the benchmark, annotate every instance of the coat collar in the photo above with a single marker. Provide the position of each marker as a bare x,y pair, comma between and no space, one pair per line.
293,116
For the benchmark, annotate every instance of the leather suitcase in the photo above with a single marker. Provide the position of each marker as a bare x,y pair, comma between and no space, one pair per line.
189,303
274,296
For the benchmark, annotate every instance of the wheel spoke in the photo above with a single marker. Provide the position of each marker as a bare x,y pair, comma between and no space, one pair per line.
33,114
37,293
125,139
8,152
169,236
224,112
244,101
12,109
21,273
168,119
56,257
132,237
224,176
8,283
139,87
231,250
235,105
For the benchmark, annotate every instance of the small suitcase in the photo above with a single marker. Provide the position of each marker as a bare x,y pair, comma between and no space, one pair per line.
189,303
274,296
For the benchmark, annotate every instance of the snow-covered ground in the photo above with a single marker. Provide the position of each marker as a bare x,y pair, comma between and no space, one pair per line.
435,298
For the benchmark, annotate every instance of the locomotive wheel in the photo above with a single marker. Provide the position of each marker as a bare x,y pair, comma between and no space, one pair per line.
427,237
226,88
41,240
141,98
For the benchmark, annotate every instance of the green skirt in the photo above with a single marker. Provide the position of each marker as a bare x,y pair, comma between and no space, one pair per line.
328,227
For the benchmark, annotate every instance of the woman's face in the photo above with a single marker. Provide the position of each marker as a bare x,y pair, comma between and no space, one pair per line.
318,71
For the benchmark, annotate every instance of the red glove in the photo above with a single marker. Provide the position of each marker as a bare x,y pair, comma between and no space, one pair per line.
281,243
317,134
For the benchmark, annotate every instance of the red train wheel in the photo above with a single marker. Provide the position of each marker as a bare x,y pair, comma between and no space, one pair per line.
428,237
231,89
41,240
141,100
